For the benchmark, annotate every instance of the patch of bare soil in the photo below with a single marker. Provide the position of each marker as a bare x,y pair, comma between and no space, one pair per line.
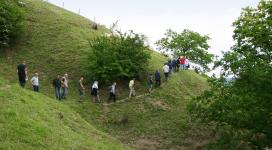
148,144
4,87
160,105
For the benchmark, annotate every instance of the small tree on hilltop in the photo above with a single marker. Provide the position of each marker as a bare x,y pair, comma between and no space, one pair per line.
117,55
187,43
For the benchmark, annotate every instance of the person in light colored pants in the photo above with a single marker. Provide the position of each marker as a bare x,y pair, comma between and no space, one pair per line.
131,88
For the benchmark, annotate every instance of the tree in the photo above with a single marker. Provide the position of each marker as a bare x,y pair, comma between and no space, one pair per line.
187,43
243,107
11,22
117,55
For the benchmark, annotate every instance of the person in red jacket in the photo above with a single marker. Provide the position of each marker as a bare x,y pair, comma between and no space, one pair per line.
182,62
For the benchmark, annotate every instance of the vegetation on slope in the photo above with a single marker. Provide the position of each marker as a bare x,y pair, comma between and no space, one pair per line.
56,41
11,22
155,121
33,121
242,108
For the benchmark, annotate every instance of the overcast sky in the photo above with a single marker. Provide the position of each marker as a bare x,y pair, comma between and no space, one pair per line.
153,17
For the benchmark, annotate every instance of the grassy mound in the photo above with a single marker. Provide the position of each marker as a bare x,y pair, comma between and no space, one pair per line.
33,121
154,121
55,42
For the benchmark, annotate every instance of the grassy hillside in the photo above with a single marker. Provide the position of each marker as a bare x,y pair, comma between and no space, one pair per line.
55,42
33,121
155,121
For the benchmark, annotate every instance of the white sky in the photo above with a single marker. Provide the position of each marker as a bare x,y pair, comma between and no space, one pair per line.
153,17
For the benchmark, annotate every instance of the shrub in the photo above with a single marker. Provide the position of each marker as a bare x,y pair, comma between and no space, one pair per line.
11,22
117,55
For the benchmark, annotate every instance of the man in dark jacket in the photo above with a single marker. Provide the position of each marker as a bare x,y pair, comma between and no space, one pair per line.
157,78
57,87
22,74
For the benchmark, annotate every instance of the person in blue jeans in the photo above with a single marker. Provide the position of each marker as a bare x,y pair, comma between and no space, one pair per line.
35,82
157,79
150,82
57,87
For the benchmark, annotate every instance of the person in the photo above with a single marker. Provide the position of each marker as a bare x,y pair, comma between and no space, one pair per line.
157,79
131,88
150,82
174,64
182,63
81,88
187,65
22,74
95,92
57,86
35,82
65,86
113,92
178,63
166,71
170,67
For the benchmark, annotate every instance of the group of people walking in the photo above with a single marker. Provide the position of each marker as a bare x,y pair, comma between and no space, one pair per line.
60,83
174,65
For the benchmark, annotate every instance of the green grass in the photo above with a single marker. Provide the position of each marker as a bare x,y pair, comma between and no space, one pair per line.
55,42
33,121
155,121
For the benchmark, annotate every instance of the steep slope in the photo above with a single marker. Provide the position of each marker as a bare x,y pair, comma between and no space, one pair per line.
155,121
33,121
55,42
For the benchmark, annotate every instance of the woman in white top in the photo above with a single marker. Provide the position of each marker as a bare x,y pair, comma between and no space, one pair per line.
95,92
35,82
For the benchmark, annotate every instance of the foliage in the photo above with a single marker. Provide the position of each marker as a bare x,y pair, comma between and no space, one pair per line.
158,118
33,121
187,43
11,21
244,104
117,55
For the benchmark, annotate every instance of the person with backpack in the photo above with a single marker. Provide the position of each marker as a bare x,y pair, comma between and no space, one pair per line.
22,74
166,71
95,92
131,88
150,82
157,78
35,82
57,86
113,92
81,88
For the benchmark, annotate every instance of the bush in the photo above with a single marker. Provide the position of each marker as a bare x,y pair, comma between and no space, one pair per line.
117,56
242,107
11,22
